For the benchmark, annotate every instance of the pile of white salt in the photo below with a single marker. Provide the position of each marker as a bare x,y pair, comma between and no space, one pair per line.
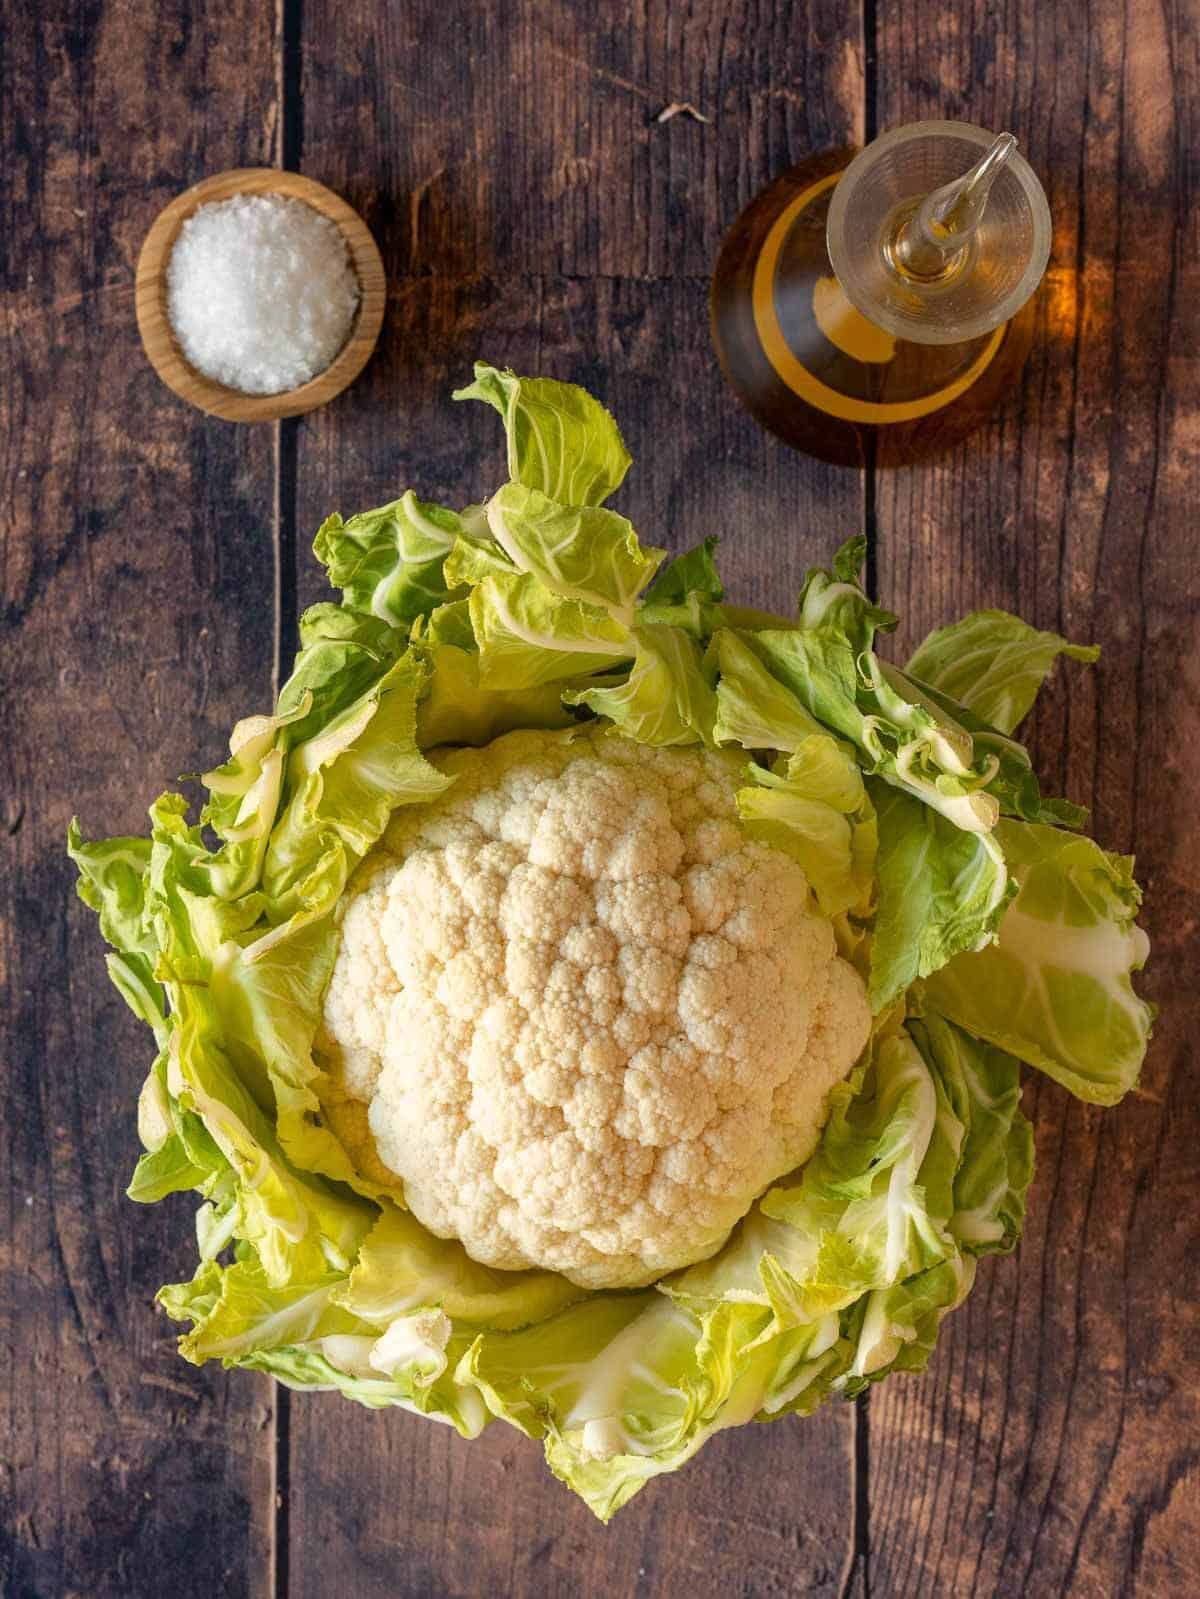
261,292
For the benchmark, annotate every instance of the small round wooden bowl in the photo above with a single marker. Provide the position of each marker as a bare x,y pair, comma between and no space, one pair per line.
158,336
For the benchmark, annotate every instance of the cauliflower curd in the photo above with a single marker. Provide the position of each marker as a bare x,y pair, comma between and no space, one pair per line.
591,1020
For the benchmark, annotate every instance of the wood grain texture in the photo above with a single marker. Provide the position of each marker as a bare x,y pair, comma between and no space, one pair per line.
519,136
134,542
153,316
567,233
529,208
1052,1448
755,1514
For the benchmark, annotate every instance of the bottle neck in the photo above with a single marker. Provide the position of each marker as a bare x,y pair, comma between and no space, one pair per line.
928,241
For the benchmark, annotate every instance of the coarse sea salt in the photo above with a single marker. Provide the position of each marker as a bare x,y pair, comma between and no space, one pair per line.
260,292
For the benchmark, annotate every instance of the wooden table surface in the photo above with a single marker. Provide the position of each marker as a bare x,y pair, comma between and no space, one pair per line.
531,208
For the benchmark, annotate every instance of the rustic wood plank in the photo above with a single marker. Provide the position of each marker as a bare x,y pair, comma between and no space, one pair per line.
530,211
432,1514
428,1516
496,138
136,547
1052,1449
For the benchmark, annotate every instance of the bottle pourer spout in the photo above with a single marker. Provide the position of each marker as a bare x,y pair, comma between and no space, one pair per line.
929,242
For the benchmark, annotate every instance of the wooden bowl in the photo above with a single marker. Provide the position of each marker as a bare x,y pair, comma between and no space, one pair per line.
158,336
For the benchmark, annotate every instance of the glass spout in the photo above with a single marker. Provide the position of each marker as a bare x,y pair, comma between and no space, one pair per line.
928,243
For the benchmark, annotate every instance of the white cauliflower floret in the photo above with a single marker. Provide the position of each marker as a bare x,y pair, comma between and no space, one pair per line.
591,1019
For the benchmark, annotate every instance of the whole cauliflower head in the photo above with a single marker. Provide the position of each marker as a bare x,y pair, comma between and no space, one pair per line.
589,1018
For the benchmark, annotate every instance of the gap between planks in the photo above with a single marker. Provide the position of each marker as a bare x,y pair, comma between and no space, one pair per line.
858,1581
290,146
